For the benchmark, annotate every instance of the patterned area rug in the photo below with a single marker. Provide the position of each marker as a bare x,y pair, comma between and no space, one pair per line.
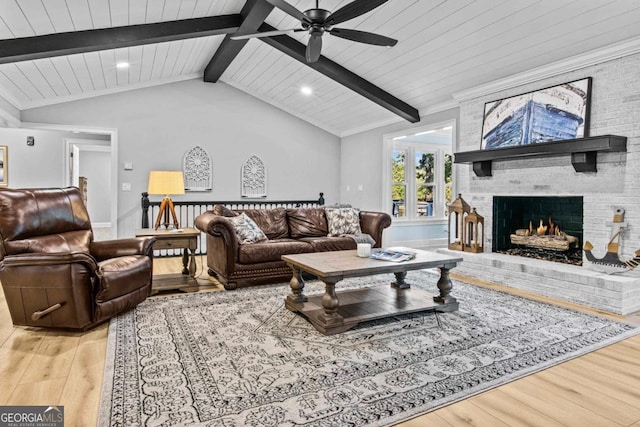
239,358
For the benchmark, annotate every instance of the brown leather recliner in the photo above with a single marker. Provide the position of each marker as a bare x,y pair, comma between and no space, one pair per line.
53,274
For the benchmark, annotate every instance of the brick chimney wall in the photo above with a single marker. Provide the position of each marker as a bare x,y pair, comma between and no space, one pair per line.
615,109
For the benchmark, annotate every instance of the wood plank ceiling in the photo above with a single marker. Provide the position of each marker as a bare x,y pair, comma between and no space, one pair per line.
444,47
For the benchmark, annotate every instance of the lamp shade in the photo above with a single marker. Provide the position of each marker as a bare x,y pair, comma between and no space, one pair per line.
166,182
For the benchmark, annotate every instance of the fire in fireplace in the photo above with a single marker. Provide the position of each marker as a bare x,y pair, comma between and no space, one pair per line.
547,235
548,228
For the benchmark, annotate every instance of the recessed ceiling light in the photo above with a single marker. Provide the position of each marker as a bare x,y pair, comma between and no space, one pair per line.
424,133
306,90
122,65
399,137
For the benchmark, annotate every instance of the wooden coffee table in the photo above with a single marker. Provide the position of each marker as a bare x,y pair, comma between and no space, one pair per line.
336,312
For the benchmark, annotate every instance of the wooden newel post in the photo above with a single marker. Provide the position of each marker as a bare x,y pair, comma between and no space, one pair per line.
145,209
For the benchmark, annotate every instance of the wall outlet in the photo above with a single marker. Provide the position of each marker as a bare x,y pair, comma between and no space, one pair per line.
128,166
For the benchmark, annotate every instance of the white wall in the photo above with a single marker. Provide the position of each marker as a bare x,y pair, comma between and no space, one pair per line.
157,125
40,165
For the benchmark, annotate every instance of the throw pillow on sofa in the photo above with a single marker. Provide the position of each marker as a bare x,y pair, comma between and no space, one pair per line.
343,221
246,229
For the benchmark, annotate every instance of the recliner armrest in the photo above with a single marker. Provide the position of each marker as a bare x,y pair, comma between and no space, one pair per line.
106,249
44,259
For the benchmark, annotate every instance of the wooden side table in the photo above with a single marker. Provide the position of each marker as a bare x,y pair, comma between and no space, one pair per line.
186,239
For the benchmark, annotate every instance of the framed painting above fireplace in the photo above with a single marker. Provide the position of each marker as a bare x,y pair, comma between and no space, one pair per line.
555,113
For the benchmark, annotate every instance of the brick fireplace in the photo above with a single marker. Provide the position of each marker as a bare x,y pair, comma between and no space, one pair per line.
612,182
584,216
529,190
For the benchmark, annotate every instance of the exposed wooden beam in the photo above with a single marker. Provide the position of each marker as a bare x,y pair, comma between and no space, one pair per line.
296,50
250,19
45,46
253,15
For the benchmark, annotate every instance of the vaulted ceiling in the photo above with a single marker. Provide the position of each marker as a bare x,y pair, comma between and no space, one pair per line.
444,47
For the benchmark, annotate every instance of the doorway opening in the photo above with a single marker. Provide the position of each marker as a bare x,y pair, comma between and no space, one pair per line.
90,169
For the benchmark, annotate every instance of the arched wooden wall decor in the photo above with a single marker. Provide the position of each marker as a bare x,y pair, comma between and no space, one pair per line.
254,178
198,170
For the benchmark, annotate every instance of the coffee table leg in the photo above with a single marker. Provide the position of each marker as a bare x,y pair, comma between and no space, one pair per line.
330,303
297,287
445,285
400,283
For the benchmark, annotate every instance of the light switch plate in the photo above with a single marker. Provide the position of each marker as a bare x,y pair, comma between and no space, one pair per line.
126,186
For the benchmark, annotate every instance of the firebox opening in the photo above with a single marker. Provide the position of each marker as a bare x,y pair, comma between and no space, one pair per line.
549,228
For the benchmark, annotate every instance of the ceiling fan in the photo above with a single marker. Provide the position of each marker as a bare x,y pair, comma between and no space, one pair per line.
319,21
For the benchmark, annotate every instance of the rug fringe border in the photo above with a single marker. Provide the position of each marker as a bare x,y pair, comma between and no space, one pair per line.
488,386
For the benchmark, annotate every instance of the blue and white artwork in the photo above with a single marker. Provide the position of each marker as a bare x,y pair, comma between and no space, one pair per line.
552,114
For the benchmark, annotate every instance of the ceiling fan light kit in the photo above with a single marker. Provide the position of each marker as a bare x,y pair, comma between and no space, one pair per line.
319,21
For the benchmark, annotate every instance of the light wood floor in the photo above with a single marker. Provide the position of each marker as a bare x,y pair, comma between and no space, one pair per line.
602,388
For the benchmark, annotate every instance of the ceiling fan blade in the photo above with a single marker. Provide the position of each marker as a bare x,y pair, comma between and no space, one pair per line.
352,10
314,47
363,37
290,10
264,34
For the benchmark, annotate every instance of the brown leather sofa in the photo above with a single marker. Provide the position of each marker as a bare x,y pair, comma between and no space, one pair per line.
289,231
53,274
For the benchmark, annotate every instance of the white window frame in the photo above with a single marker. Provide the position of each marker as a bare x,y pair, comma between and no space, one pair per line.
391,143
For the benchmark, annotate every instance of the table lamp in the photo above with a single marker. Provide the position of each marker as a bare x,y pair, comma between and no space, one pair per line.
165,183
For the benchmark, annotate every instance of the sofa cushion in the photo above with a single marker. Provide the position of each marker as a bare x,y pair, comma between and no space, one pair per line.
246,229
307,222
271,250
326,244
343,221
273,222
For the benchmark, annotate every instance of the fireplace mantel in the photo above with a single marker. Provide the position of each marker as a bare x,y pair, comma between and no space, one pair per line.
583,152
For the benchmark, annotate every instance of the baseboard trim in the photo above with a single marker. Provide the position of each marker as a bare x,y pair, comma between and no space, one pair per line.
101,225
427,244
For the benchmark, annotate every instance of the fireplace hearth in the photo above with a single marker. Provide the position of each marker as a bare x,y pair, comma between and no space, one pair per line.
571,256
548,228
